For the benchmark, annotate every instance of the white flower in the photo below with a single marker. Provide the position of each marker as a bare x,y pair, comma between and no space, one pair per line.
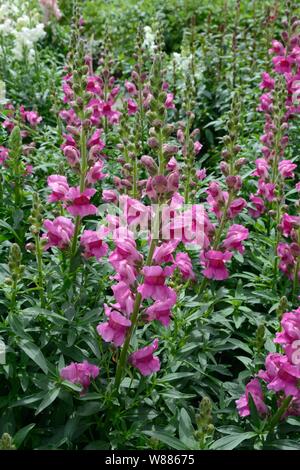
149,39
3,99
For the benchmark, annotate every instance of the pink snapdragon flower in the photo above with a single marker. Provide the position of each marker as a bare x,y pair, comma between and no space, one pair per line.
81,205
288,223
115,329
286,168
172,164
290,333
52,7
4,154
201,174
144,361
184,264
236,207
197,147
214,262
72,155
124,297
33,118
258,206
267,190
134,212
267,82
93,243
132,107
109,195
95,173
164,252
80,373
130,88
59,186
281,375
169,104
235,236
59,232
287,260
254,389
262,168
154,283
161,311
125,250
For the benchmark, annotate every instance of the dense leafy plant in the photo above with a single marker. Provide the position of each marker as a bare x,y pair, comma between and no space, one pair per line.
149,245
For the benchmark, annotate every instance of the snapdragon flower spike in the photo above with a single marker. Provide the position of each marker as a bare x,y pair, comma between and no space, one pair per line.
80,202
153,285
144,361
184,264
161,310
59,232
115,329
214,263
4,154
80,373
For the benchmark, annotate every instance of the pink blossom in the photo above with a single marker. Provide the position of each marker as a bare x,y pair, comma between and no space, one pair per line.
92,242
154,283
126,273
258,206
59,186
72,155
114,331
161,311
280,375
144,360
94,85
254,389
197,147
80,373
234,238
95,139
33,118
201,174
286,168
287,260
290,324
267,190
59,232
132,107
184,264
277,48
267,82
124,297
164,252
266,103
214,262
95,173
4,154
125,249
81,205
172,164
288,223
262,168
236,207
169,101
130,88
282,65
134,212
108,195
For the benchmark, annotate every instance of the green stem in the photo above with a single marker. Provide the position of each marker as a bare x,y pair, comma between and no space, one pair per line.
279,413
39,261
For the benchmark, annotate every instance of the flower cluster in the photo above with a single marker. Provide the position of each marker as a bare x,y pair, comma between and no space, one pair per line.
282,371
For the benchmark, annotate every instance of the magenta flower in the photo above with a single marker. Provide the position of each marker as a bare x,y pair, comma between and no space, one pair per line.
197,147
201,174
172,164
280,375
134,212
130,88
169,104
161,310
59,186
80,373
267,82
4,154
184,264
254,389
258,206
95,173
59,232
132,107
154,283
282,65
236,207
125,250
164,252
262,168
144,360
81,205
114,331
33,118
72,155
235,236
288,223
286,168
291,328
214,262
108,195
96,140
124,297
267,190
287,260
93,244
277,48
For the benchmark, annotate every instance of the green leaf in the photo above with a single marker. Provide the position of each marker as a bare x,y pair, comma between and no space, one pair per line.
165,437
176,376
10,229
284,444
21,435
34,353
231,442
186,430
49,398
